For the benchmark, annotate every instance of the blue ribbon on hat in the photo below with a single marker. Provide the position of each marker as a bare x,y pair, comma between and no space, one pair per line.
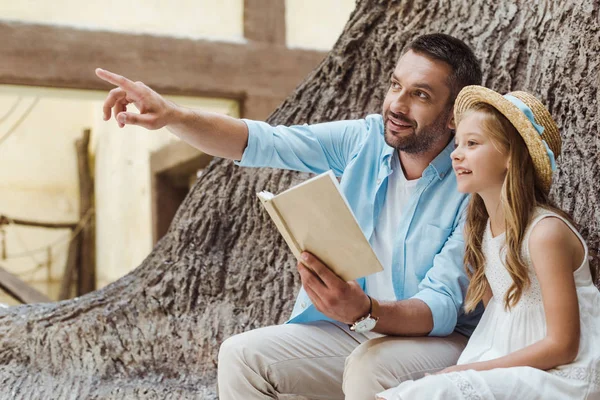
529,114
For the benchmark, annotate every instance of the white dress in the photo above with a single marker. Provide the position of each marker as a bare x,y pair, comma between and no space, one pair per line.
501,332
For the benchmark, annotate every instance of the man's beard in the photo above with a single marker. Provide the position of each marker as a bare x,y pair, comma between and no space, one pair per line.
422,139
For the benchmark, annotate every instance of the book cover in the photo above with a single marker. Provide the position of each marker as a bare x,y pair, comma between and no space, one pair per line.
315,217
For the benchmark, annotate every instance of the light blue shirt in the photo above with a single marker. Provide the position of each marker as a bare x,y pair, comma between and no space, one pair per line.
427,263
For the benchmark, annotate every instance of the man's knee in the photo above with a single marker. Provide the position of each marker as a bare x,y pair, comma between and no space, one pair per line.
366,372
240,348
252,350
387,361
367,361
229,350
239,366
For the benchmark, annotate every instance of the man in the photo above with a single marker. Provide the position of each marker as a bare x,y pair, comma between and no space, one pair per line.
354,339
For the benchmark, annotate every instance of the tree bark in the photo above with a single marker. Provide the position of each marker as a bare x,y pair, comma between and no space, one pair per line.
222,268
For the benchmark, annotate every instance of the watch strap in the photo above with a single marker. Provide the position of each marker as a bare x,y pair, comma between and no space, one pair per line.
374,310
372,314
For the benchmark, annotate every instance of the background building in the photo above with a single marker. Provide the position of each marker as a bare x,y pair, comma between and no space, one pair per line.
139,176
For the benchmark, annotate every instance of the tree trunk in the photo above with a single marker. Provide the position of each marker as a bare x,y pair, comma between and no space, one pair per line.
223,268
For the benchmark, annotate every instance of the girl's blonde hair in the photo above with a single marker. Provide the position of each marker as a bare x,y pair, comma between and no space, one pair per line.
521,193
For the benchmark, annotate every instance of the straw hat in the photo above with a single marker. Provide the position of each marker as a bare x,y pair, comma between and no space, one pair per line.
543,146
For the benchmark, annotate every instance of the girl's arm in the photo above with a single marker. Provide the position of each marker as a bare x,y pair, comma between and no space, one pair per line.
555,252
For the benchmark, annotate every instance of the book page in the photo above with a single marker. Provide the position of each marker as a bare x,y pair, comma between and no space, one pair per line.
319,220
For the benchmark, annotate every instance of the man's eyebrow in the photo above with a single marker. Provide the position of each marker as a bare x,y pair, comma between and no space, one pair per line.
419,85
423,85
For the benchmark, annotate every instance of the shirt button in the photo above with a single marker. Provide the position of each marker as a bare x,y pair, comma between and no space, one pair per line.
303,305
378,181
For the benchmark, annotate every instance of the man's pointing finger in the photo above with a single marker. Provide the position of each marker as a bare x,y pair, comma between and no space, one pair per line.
116,80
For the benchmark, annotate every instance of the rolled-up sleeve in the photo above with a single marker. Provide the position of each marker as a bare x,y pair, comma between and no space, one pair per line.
445,284
308,148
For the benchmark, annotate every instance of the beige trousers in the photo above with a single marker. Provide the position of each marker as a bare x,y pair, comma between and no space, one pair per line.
323,360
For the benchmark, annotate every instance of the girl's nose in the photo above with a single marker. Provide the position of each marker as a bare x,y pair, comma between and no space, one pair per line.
456,155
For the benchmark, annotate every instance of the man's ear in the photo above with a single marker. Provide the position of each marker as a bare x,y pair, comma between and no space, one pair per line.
451,122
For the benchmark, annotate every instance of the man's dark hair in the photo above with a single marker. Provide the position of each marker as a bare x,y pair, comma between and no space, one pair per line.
466,69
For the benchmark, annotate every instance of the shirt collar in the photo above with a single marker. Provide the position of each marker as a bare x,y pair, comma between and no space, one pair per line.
442,164
387,153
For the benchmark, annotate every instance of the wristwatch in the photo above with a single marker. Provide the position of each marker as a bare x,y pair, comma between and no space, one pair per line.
368,322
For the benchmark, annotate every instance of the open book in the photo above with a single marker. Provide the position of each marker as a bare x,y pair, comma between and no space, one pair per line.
315,217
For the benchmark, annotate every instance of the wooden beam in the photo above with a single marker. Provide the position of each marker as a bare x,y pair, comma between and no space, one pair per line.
4,220
86,277
51,56
259,107
264,21
20,290
73,254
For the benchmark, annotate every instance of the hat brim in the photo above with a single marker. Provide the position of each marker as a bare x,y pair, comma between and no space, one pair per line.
470,96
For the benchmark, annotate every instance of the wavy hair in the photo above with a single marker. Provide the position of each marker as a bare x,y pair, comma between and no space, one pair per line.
520,195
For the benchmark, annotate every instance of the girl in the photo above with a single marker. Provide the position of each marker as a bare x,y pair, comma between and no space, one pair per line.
538,337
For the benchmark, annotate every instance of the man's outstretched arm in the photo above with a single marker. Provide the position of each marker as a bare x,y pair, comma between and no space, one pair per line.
214,134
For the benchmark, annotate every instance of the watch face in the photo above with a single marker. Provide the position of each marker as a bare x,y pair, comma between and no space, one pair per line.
365,325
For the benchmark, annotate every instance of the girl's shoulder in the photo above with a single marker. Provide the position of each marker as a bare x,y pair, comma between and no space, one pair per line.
551,229
549,232
545,224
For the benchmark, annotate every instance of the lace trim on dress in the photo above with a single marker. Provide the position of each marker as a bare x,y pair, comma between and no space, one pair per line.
579,374
463,384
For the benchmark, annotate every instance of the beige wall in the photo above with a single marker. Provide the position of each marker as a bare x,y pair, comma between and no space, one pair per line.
39,181
123,194
309,23
315,24
38,167
220,19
